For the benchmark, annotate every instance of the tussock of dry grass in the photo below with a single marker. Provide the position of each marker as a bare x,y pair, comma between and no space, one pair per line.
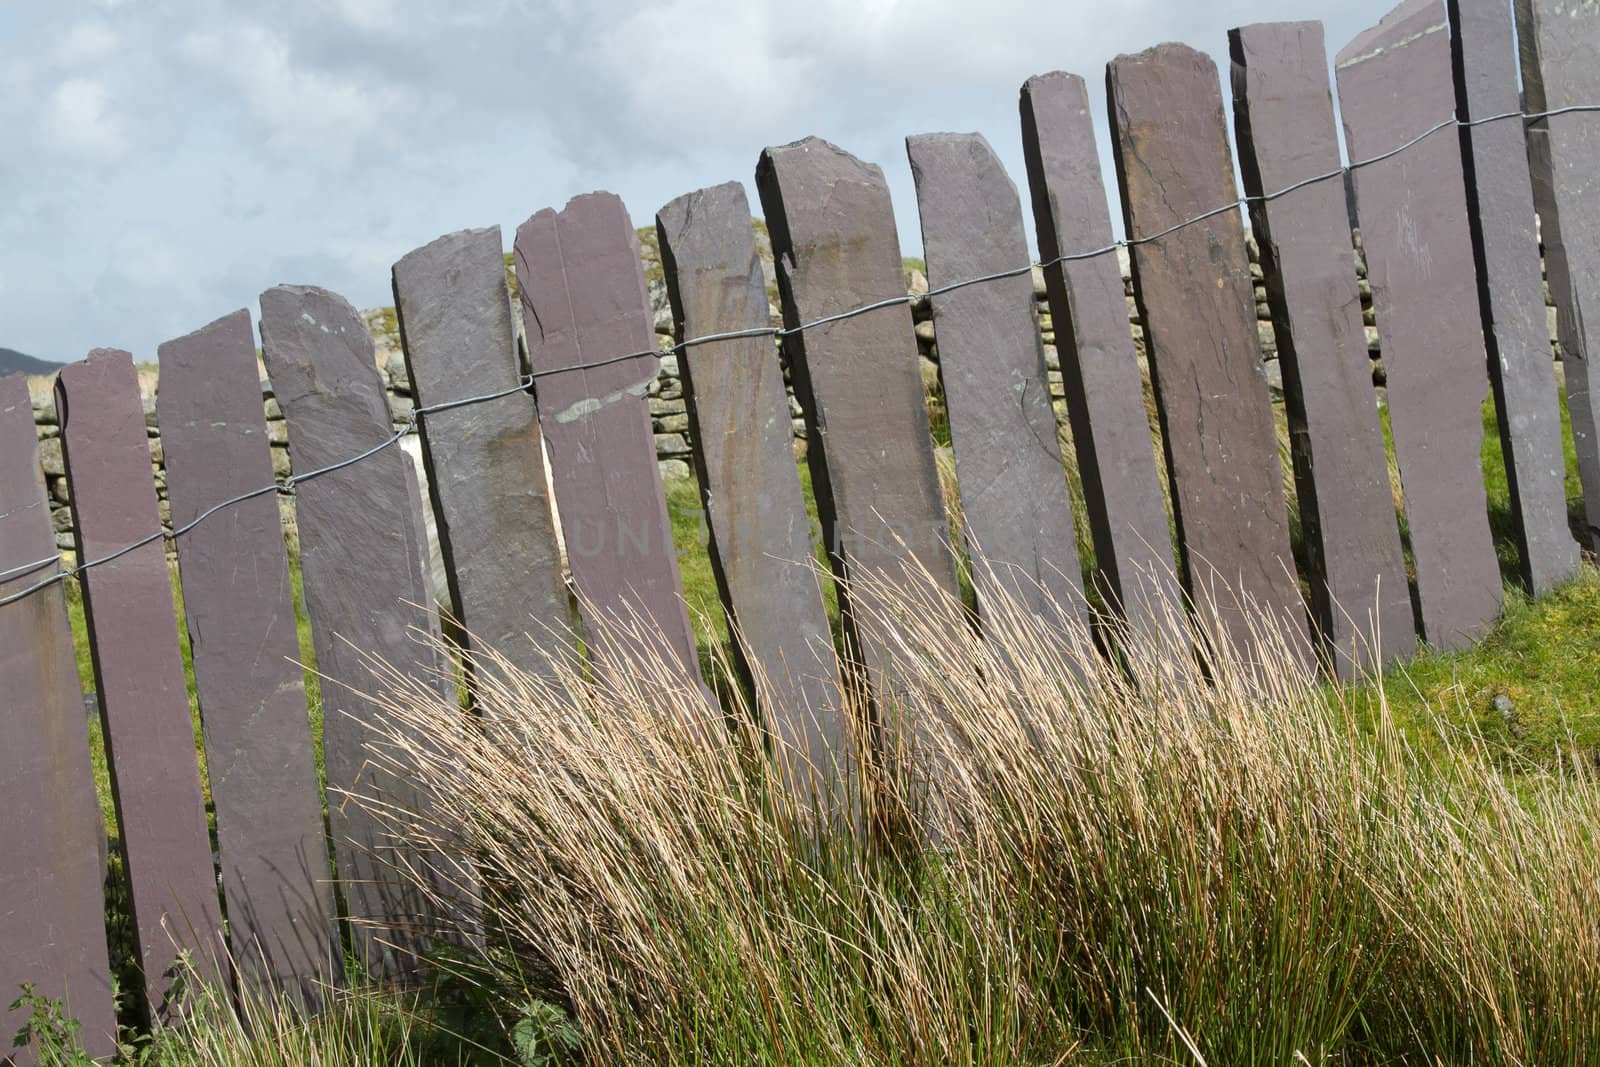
1189,857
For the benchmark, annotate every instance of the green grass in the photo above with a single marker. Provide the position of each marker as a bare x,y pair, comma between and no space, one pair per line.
1529,687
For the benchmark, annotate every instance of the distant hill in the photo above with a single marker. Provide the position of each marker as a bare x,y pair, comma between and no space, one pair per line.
12,361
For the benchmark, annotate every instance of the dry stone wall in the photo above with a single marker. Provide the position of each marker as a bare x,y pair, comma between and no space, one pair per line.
669,415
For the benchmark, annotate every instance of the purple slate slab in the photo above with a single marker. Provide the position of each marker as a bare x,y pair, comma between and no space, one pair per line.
1395,83
869,447
1560,43
1195,296
365,592
584,301
246,655
1117,461
1018,516
1505,242
760,537
485,462
144,702
1283,112
52,909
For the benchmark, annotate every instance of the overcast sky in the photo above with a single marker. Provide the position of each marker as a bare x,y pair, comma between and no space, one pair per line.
163,161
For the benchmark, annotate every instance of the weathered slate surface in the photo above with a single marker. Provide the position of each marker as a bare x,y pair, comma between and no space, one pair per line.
584,301
1283,112
52,910
1194,292
1099,367
1394,83
755,514
485,462
242,636
869,446
1018,516
1560,42
361,566
144,702
1511,290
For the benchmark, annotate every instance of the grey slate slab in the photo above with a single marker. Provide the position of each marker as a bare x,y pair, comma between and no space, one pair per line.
144,703
1018,516
1394,83
1117,461
485,461
1560,45
1283,111
361,565
760,536
241,622
1194,293
857,379
52,919
584,301
1505,243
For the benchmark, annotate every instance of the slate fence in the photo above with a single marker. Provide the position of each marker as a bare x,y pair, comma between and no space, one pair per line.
1450,184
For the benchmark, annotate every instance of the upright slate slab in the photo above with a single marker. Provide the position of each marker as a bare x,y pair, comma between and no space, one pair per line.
1283,112
1195,296
52,910
1018,516
144,700
869,446
485,461
1134,563
1505,243
584,301
1560,42
361,565
761,547
246,654
1395,83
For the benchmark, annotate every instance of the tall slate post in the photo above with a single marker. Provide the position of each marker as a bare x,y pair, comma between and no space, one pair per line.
242,637
486,467
857,379
144,700
1394,85
1196,298
52,924
365,592
1283,111
760,537
1560,45
1014,501
1136,571
584,302
1505,243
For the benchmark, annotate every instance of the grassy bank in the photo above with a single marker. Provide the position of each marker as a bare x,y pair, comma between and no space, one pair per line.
1216,862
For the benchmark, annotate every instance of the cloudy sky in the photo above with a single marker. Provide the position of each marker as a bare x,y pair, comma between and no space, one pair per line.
163,161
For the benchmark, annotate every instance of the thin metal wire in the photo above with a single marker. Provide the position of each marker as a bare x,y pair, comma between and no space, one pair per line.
527,381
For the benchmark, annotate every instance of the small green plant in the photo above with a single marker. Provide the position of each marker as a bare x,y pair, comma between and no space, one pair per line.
50,1033
544,1036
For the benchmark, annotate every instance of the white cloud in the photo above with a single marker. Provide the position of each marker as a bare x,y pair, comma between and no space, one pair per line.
373,16
86,43
333,117
80,119
703,68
